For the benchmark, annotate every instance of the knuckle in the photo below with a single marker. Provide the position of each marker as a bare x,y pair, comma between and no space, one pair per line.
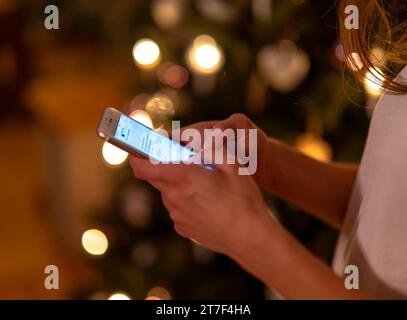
242,120
238,117
171,196
137,172
180,230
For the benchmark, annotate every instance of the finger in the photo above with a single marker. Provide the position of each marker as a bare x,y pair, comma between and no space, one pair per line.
144,169
229,165
168,202
165,173
183,135
234,122
218,156
200,126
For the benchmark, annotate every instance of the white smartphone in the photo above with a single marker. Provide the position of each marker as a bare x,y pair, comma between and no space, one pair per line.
138,139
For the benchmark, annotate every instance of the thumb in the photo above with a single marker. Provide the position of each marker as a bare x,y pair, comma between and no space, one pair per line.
218,157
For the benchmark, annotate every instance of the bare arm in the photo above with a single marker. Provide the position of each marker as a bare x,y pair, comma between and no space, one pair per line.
323,189
280,261
320,188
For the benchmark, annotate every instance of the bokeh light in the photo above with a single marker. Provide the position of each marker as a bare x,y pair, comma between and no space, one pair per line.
146,53
161,108
377,55
284,66
374,82
142,117
144,254
94,242
159,292
136,205
217,10
166,13
119,296
204,55
172,75
354,61
340,52
314,147
113,155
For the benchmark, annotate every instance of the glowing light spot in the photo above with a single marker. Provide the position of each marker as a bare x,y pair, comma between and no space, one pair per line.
314,147
373,82
377,55
354,61
340,53
166,13
205,56
113,155
160,293
119,296
142,117
173,75
160,106
146,53
94,242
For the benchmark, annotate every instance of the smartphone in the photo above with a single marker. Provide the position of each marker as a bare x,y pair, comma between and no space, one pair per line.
138,139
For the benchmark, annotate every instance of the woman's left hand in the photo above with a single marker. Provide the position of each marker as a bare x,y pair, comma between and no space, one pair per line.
219,209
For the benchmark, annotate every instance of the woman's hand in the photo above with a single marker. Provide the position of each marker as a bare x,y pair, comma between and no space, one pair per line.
219,209
234,122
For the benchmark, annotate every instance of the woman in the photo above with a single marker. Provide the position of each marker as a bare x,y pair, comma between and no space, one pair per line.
225,212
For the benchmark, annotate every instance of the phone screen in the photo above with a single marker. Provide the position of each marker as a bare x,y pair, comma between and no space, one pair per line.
149,142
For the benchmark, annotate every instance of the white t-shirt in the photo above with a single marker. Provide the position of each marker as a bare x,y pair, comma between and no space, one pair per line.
374,235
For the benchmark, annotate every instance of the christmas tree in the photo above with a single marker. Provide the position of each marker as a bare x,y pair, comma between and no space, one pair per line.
279,62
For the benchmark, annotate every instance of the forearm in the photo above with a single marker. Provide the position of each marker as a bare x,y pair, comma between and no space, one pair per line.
281,262
320,188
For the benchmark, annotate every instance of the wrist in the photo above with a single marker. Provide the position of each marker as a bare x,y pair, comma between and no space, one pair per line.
257,235
266,161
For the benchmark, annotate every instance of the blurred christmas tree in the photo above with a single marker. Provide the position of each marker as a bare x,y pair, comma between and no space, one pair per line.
277,61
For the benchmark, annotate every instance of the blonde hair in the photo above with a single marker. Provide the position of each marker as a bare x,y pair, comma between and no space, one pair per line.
382,24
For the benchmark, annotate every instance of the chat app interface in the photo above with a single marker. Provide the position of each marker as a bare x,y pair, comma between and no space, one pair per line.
149,142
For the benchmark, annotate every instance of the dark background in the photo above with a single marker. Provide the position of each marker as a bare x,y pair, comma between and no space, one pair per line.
54,85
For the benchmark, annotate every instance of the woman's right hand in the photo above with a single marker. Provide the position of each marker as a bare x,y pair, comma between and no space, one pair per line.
234,122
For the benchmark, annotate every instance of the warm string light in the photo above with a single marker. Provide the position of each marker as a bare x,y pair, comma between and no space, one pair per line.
144,254
160,293
217,10
119,296
283,66
166,13
172,75
142,117
204,55
377,56
146,53
161,108
313,146
354,61
95,242
113,155
261,10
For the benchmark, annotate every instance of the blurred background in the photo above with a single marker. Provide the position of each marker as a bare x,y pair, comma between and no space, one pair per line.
69,200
